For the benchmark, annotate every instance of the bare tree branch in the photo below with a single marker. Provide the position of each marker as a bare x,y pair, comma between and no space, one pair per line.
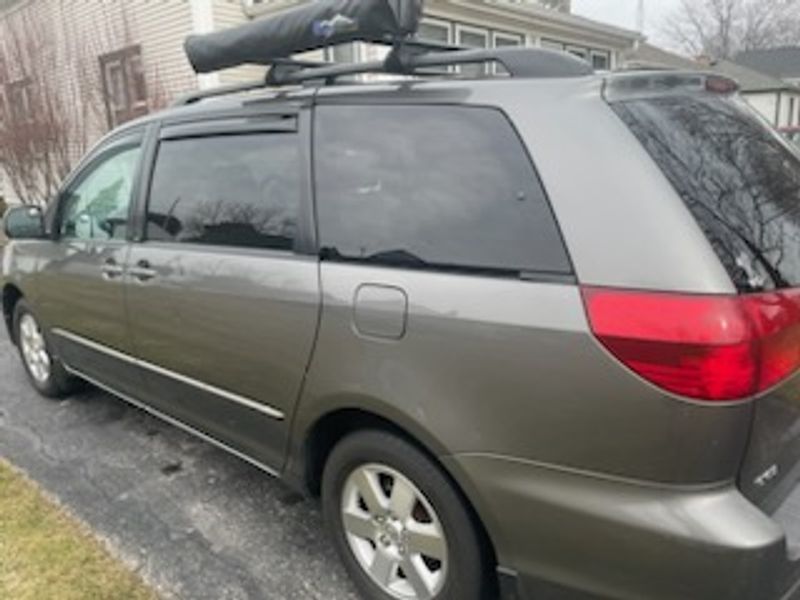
52,104
723,28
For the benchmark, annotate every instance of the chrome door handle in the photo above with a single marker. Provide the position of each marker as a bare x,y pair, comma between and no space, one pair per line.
142,271
111,269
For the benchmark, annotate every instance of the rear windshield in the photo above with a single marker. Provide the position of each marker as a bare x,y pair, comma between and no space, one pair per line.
738,178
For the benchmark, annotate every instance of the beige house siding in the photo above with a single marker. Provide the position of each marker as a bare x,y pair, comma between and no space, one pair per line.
229,13
79,33
92,29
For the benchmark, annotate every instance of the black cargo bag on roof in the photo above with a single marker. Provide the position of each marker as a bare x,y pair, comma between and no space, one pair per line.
313,25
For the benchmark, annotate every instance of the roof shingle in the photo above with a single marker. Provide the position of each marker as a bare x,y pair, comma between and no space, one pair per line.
779,62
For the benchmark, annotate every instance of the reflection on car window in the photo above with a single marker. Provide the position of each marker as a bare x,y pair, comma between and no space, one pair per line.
97,208
233,190
739,180
431,187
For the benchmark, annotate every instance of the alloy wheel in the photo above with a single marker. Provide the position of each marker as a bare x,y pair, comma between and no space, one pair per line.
394,533
34,349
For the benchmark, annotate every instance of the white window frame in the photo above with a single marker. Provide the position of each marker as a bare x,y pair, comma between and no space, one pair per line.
483,31
517,38
463,28
329,56
443,24
550,44
507,35
575,50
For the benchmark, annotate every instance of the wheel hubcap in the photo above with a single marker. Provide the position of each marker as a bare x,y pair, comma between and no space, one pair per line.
34,349
394,533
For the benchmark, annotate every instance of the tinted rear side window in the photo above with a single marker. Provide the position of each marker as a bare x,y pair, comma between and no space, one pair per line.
740,181
431,186
232,190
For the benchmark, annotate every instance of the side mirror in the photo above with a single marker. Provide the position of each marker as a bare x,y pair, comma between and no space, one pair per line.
24,223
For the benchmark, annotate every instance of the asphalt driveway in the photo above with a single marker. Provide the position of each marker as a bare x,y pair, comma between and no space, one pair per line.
196,522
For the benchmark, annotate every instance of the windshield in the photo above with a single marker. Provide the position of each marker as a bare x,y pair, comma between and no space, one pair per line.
739,179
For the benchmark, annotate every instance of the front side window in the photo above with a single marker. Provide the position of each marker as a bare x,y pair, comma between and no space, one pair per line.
431,187
96,208
232,190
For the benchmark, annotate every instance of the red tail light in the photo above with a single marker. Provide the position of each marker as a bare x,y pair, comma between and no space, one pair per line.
713,348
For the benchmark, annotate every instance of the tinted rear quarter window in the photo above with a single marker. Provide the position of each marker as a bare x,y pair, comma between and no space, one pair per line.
431,186
231,190
737,177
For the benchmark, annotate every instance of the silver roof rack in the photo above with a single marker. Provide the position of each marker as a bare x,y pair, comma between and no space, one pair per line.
411,58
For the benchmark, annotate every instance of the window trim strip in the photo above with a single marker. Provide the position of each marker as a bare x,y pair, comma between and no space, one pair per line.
265,409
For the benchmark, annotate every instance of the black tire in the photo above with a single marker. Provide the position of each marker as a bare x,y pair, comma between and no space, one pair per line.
466,575
59,383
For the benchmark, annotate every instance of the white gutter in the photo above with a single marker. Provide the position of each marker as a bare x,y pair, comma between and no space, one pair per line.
540,16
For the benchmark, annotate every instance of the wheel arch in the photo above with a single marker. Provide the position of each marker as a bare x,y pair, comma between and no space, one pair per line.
10,296
324,432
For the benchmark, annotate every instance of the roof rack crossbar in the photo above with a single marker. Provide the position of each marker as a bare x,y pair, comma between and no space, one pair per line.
247,86
410,58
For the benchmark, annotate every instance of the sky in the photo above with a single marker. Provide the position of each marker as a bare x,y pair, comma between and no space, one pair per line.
623,13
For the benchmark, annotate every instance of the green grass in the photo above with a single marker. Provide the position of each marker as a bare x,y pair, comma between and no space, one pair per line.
46,554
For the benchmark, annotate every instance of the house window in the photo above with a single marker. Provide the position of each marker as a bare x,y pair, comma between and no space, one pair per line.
437,32
552,45
505,40
124,85
578,51
502,39
20,100
343,53
601,61
471,37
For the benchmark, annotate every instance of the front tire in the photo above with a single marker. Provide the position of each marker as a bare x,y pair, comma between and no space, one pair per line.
44,369
400,527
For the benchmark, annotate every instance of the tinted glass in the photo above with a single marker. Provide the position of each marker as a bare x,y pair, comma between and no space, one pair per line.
740,181
96,208
431,186
234,190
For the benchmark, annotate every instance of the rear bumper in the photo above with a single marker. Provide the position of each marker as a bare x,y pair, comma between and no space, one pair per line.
570,535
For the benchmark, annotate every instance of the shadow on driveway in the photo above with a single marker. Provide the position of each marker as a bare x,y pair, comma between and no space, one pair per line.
195,522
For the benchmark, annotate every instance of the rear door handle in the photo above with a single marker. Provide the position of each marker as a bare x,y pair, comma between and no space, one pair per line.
142,271
111,269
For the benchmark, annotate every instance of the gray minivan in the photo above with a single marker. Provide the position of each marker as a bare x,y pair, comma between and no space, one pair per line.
533,335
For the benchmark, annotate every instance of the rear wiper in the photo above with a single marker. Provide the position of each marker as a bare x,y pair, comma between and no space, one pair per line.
399,257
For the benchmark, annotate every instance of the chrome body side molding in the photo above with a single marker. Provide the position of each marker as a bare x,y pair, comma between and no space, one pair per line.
236,398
